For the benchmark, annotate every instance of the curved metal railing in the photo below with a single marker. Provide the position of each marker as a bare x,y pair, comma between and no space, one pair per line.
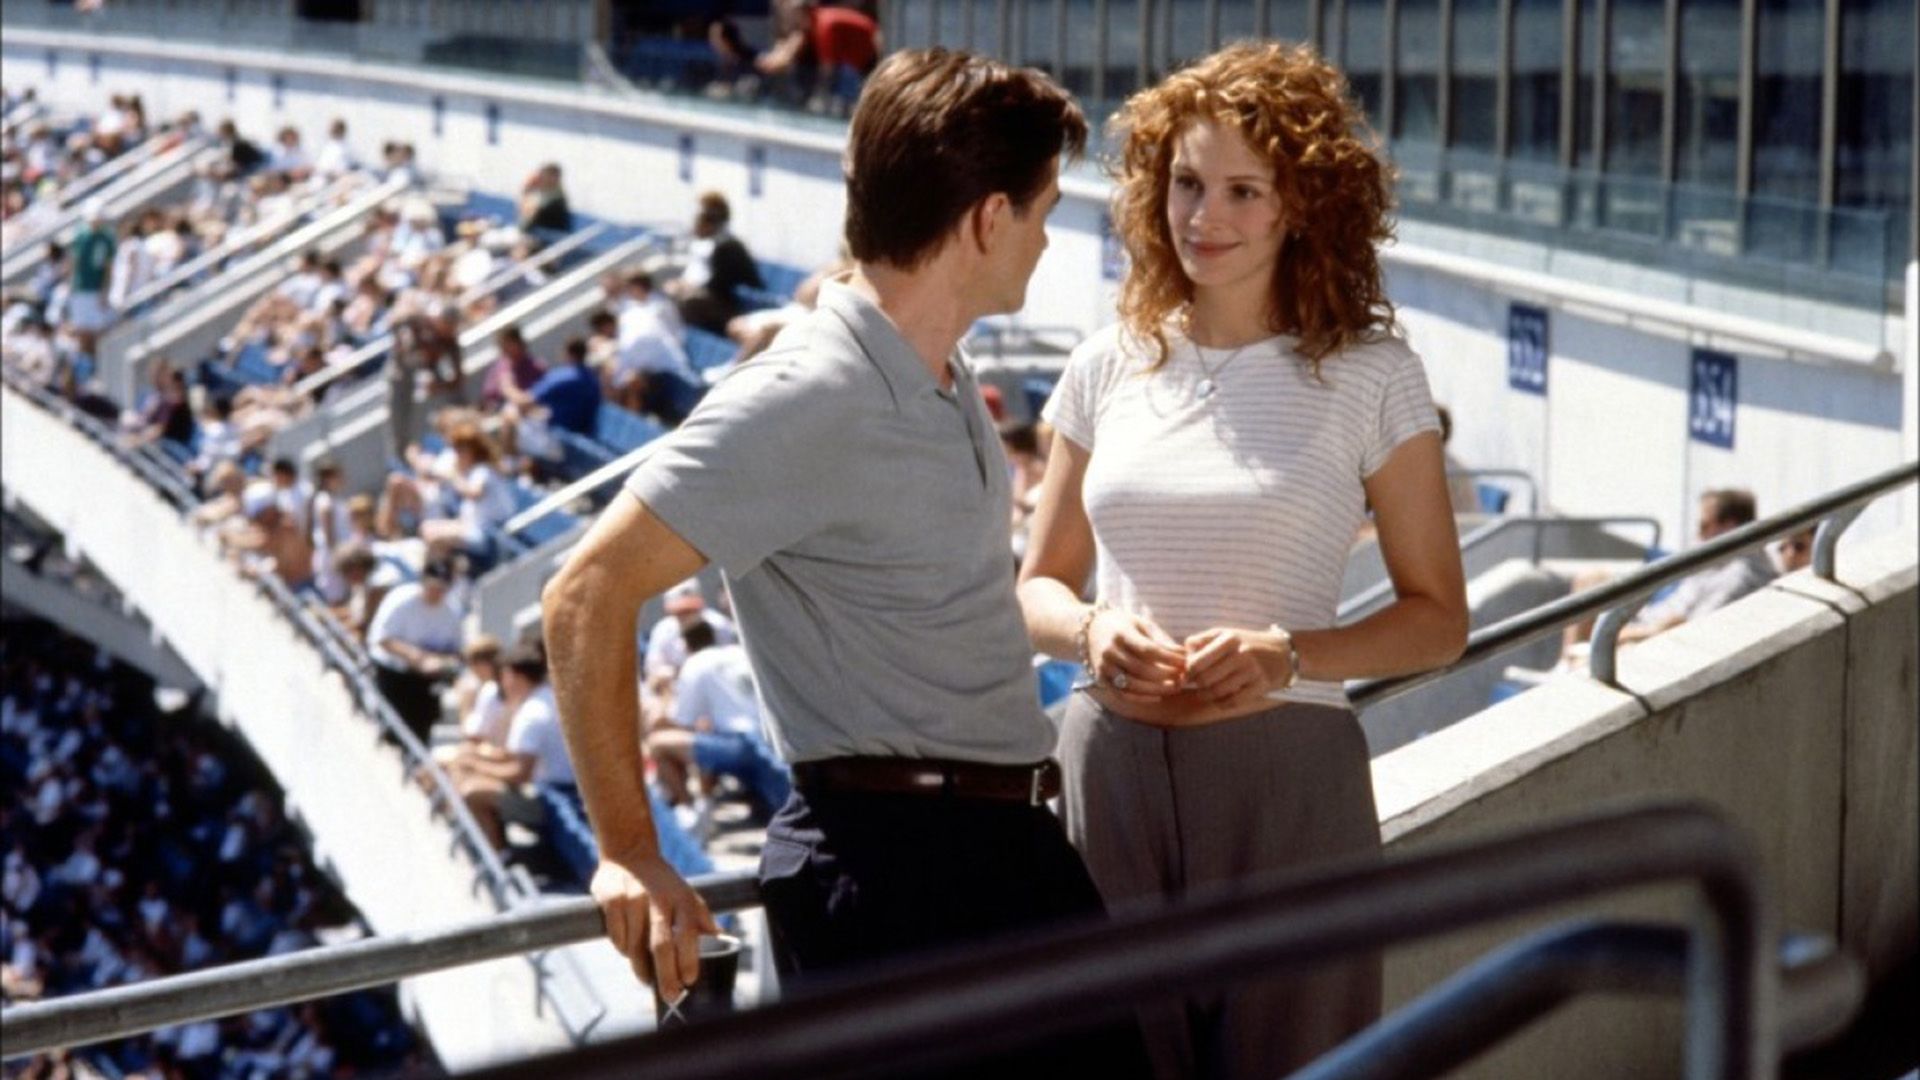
1617,600
986,998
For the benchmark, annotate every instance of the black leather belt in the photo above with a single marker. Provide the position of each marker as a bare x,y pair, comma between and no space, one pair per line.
1029,784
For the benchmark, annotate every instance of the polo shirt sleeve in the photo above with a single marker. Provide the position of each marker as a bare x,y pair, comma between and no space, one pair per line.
1405,407
765,461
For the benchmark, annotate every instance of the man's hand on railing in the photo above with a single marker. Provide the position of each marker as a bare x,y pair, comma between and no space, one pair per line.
655,919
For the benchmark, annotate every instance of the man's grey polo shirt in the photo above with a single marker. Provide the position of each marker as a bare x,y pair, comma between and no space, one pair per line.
861,516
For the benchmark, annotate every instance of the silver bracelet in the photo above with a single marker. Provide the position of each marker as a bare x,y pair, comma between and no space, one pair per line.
1082,642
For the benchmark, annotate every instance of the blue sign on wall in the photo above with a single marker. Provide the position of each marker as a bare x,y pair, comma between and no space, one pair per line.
1113,253
279,84
233,83
93,68
1527,349
53,63
439,116
686,159
756,171
493,124
1713,397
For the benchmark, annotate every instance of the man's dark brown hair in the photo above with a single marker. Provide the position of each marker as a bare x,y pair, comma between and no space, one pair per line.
935,132
1731,506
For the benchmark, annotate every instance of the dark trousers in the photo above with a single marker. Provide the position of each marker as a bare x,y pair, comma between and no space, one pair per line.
413,695
853,878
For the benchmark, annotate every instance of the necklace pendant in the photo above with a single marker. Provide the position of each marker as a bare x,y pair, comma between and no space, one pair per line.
1205,389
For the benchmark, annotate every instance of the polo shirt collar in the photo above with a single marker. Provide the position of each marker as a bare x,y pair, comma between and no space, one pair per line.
907,377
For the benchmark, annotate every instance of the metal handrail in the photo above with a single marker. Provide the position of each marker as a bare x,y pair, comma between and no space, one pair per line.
1502,992
1489,531
471,337
107,171
234,243
131,179
536,261
1832,511
1521,475
983,998
308,233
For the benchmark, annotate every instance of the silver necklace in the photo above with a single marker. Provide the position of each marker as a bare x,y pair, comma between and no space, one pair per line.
1209,383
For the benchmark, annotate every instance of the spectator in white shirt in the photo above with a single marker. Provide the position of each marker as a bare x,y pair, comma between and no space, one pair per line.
491,780
415,642
335,157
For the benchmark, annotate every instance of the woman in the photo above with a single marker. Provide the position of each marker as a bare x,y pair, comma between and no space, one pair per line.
1214,456
486,496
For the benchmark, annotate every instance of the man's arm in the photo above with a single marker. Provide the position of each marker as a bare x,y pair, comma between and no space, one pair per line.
590,608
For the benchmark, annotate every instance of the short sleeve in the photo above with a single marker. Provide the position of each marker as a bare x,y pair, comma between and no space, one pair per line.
758,467
1074,407
1405,407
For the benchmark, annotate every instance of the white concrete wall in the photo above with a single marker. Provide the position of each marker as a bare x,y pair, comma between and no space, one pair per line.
1610,436
1793,712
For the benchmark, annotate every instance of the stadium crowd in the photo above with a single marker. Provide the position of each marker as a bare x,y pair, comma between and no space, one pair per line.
141,840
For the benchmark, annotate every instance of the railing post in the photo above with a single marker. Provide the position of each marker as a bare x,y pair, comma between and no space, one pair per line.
1605,643
1826,540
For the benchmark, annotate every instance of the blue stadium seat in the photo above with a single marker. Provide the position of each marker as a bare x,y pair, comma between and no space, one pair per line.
707,350
778,284
1057,679
1493,497
621,430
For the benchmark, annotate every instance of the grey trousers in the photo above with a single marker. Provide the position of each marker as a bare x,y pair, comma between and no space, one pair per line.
1158,813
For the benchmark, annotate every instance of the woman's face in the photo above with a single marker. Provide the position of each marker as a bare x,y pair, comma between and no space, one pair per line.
1223,209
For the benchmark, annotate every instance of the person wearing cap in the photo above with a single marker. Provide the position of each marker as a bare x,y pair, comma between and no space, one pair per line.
91,251
850,485
665,649
414,640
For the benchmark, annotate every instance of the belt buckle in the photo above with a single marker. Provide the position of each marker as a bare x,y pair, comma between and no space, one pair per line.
1033,785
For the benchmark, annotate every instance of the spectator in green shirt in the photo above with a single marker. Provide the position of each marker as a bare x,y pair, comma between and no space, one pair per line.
91,253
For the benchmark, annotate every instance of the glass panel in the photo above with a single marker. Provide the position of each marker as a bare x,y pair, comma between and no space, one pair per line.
1417,81
1633,88
1189,41
1876,103
1033,30
1123,48
1362,57
1786,113
1287,19
1236,21
1535,128
1583,87
1708,112
1476,67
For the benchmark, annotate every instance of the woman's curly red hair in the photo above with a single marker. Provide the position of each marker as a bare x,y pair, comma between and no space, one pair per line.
1297,110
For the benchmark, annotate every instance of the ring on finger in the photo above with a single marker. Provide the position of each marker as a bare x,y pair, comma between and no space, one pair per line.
1120,680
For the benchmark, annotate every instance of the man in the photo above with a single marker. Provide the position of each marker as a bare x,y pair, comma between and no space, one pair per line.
718,265
850,484
716,725
666,647
489,778
415,642
1722,510
651,372
92,251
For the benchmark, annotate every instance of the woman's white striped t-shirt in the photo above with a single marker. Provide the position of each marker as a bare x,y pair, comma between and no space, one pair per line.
1238,509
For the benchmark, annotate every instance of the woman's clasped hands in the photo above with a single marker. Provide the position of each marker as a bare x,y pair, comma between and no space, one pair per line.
1217,668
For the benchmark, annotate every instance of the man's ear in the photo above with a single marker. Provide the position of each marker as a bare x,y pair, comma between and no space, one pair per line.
987,219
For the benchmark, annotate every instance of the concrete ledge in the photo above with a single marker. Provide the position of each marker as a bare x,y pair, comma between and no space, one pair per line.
1793,711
